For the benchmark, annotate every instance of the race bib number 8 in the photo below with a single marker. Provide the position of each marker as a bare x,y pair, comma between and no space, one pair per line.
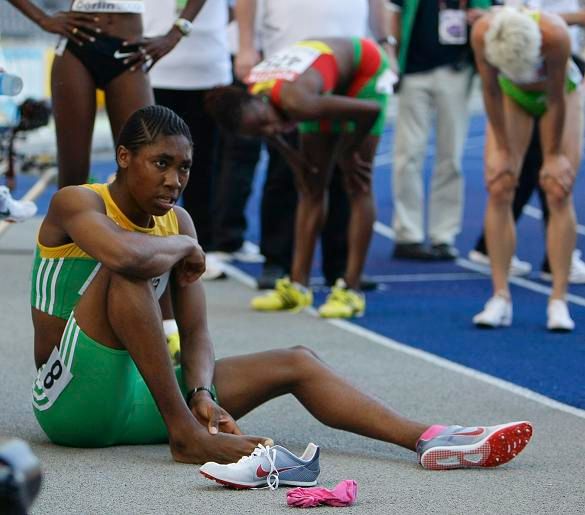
287,64
54,377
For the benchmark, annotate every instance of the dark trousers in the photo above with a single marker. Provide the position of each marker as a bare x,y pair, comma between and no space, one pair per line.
238,160
198,195
527,183
279,202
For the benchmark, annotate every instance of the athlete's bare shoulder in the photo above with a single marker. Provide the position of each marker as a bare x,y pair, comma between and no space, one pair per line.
66,203
186,225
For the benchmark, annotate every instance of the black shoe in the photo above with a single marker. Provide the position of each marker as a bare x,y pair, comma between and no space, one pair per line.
411,251
444,252
366,283
270,274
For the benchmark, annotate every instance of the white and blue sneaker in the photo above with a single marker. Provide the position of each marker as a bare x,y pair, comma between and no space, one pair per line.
12,210
267,467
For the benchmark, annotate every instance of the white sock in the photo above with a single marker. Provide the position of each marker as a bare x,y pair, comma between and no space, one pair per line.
170,326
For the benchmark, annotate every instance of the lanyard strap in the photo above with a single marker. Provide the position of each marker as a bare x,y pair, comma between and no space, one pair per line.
443,5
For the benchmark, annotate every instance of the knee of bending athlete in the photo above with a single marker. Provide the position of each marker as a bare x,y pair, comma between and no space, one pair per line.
557,196
502,189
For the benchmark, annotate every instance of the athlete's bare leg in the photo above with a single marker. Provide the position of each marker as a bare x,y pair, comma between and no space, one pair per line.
299,371
312,206
562,226
362,216
125,94
123,313
74,105
499,221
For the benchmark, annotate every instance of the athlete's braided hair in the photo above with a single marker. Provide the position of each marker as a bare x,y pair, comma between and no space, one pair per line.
225,105
148,123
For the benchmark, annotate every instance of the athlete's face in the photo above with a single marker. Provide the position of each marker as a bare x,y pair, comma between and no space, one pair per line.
261,118
157,174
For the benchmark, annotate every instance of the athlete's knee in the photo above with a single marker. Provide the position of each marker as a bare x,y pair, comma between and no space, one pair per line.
558,199
302,357
120,283
502,188
557,195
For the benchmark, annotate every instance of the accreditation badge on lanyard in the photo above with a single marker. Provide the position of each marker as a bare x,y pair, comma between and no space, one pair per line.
452,24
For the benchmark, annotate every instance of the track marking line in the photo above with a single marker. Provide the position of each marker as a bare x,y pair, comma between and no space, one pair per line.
389,343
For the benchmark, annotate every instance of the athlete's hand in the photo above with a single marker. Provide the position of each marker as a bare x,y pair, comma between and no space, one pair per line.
557,176
245,61
78,27
356,171
212,415
304,175
151,50
190,268
198,446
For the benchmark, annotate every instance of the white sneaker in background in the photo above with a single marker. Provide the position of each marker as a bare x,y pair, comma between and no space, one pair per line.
12,210
497,312
576,272
517,266
213,269
247,253
558,317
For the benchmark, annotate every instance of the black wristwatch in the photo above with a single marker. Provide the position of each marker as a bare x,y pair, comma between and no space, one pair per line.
387,40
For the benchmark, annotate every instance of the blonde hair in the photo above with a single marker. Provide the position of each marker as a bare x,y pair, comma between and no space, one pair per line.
512,44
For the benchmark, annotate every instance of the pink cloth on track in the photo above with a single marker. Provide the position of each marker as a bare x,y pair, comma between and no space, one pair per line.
344,494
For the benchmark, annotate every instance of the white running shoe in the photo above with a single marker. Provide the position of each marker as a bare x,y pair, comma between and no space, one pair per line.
213,269
12,210
576,272
497,312
517,266
558,317
267,466
247,253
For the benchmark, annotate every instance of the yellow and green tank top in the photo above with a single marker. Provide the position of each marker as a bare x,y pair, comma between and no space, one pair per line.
61,274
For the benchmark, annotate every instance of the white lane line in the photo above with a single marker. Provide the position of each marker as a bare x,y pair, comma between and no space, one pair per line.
36,190
389,343
534,212
387,232
414,278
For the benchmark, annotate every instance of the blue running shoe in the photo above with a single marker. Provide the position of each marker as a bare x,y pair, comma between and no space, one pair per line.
267,466
466,447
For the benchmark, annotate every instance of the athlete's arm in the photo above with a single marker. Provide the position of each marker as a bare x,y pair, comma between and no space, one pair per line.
492,94
574,18
556,53
157,47
197,354
382,25
78,214
247,56
555,165
63,23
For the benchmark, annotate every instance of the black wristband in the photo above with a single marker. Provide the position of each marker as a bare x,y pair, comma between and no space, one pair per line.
192,392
